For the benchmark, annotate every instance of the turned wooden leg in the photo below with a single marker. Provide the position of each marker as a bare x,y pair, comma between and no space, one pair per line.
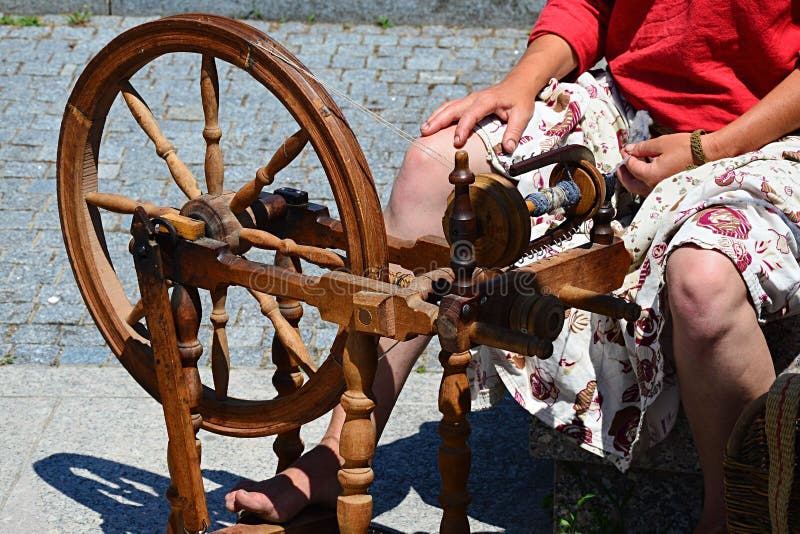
357,442
186,312
287,379
454,453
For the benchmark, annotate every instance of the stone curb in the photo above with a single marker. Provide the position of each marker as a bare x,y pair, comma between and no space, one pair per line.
480,13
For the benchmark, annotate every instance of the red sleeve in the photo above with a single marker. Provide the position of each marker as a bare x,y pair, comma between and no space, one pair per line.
581,23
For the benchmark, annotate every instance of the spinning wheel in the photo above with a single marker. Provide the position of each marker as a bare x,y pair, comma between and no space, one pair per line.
83,199
198,244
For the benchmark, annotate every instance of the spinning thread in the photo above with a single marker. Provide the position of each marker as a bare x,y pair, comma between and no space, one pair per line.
411,139
563,195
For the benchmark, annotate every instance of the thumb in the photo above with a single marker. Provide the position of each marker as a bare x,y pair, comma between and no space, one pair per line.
644,149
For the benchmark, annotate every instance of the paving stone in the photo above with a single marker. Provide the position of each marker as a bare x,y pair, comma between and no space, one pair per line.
81,336
16,312
84,355
19,431
42,354
56,311
32,334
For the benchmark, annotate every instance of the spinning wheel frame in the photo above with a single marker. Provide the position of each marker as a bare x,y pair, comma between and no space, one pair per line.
315,112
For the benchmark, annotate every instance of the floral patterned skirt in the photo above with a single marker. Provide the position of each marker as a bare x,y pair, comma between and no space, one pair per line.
609,384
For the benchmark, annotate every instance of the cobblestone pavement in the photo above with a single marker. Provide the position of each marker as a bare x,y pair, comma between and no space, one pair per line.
402,72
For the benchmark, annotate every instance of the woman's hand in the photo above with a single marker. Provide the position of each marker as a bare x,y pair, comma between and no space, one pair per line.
775,115
546,57
512,100
654,160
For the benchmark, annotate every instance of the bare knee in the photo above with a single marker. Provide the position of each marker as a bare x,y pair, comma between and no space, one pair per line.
706,293
419,193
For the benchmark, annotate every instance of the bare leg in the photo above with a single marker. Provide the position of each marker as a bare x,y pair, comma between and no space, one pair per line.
722,360
418,200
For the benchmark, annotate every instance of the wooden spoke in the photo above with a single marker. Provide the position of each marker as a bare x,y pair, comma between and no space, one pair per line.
209,92
286,333
136,314
288,151
220,354
125,205
318,256
166,150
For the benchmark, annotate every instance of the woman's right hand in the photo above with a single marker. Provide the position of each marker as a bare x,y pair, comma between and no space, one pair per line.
511,100
548,56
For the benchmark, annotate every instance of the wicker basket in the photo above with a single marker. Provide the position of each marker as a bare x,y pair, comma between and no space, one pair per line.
764,440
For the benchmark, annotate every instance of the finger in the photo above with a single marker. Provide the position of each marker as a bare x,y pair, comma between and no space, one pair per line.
631,183
464,128
645,149
467,122
440,118
245,484
641,170
517,122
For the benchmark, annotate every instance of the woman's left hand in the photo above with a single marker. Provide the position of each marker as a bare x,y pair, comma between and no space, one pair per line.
654,160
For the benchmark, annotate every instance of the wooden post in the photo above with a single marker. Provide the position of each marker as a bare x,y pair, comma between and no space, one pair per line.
186,494
601,232
187,313
454,452
357,442
454,401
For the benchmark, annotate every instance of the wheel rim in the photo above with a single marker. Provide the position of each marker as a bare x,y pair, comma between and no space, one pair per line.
312,108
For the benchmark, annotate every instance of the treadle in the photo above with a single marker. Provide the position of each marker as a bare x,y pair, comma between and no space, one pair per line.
313,520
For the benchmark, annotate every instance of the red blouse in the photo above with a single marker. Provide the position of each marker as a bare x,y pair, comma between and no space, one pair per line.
690,63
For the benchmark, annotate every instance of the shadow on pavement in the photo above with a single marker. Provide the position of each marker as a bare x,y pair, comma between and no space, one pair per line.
505,482
127,498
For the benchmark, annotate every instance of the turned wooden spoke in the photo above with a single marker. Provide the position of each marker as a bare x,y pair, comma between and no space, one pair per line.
288,151
318,256
288,377
286,333
220,353
180,172
136,314
125,205
209,92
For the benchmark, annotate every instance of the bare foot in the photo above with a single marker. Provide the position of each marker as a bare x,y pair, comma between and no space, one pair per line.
312,479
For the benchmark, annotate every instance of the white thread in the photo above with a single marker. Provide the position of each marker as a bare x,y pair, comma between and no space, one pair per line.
439,157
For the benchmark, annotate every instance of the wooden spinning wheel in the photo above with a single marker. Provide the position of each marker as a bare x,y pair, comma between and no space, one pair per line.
199,244
83,199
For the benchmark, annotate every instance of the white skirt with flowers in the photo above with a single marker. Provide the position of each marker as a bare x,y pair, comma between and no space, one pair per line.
608,383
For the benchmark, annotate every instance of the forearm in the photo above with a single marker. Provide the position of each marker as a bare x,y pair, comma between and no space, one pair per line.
546,57
775,115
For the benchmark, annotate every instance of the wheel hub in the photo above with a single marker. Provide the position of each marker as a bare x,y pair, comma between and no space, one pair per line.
221,224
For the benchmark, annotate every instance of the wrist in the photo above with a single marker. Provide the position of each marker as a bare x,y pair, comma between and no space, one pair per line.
522,81
715,146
